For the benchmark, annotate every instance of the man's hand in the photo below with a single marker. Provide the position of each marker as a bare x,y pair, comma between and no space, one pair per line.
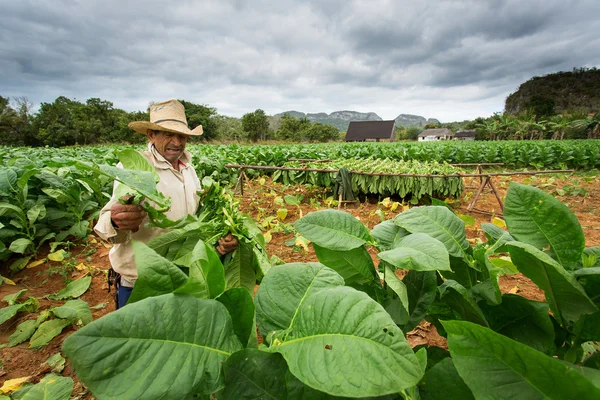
127,217
227,244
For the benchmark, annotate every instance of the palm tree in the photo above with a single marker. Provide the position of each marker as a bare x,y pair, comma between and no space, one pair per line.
559,124
589,125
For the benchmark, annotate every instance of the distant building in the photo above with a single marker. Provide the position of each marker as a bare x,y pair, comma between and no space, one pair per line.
465,135
371,131
436,134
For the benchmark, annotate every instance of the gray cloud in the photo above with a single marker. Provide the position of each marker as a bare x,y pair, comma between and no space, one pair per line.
450,60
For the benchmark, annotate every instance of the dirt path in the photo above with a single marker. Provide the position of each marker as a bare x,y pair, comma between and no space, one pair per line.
581,192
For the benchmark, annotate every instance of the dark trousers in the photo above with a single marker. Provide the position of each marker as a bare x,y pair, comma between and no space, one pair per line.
123,295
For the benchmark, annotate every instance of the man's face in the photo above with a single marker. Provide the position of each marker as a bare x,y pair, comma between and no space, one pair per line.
169,145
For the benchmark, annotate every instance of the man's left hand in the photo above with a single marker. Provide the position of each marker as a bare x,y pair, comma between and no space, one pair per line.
227,244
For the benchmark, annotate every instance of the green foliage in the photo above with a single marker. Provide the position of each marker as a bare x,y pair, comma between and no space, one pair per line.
561,91
204,115
314,322
302,130
256,125
404,186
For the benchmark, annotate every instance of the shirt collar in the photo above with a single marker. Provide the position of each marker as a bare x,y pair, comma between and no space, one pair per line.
162,162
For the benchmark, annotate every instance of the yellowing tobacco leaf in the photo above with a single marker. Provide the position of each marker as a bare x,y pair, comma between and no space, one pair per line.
36,263
268,237
7,281
302,242
81,267
57,255
499,222
13,384
282,213
394,206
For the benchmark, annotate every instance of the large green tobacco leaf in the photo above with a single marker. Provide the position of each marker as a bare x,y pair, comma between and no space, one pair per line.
539,219
494,366
51,387
567,299
156,275
495,233
47,331
387,234
23,332
20,245
140,181
165,347
442,382
206,278
335,230
73,289
439,223
419,252
522,320
239,269
284,289
331,329
238,302
421,288
462,301
7,313
12,298
76,311
355,266
132,159
399,305
488,287
8,182
253,374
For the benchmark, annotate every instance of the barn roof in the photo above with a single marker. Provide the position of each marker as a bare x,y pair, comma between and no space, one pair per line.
361,130
436,132
468,133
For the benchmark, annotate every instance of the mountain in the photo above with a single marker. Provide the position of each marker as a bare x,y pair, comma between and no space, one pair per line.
414,120
578,90
341,119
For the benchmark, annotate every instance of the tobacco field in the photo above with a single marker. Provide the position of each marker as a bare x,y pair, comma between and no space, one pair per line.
317,302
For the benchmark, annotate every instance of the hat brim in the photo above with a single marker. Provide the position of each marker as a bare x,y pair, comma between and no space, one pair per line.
173,127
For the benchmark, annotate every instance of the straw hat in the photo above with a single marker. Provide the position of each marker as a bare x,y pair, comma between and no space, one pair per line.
168,116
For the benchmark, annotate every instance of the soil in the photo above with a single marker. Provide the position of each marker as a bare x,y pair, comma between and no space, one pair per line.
262,199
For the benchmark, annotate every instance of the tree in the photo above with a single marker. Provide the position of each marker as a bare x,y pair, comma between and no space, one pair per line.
292,128
8,120
432,125
412,132
541,106
204,115
588,125
256,125
229,128
319,132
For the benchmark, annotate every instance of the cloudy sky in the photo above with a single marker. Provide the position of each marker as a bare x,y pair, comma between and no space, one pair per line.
450,60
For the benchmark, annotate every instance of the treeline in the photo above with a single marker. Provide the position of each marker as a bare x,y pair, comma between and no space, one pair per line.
67,122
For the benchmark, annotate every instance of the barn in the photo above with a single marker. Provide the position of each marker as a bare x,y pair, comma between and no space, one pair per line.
465,135
371,131
436,134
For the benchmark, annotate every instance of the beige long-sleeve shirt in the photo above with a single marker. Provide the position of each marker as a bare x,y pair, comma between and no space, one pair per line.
181,186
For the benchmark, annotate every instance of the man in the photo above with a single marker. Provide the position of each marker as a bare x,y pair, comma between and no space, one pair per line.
168,133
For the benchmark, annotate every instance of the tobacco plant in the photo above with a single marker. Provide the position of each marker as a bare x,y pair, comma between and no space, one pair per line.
336,328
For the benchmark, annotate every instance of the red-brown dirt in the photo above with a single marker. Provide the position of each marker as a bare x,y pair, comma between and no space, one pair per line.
581,192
